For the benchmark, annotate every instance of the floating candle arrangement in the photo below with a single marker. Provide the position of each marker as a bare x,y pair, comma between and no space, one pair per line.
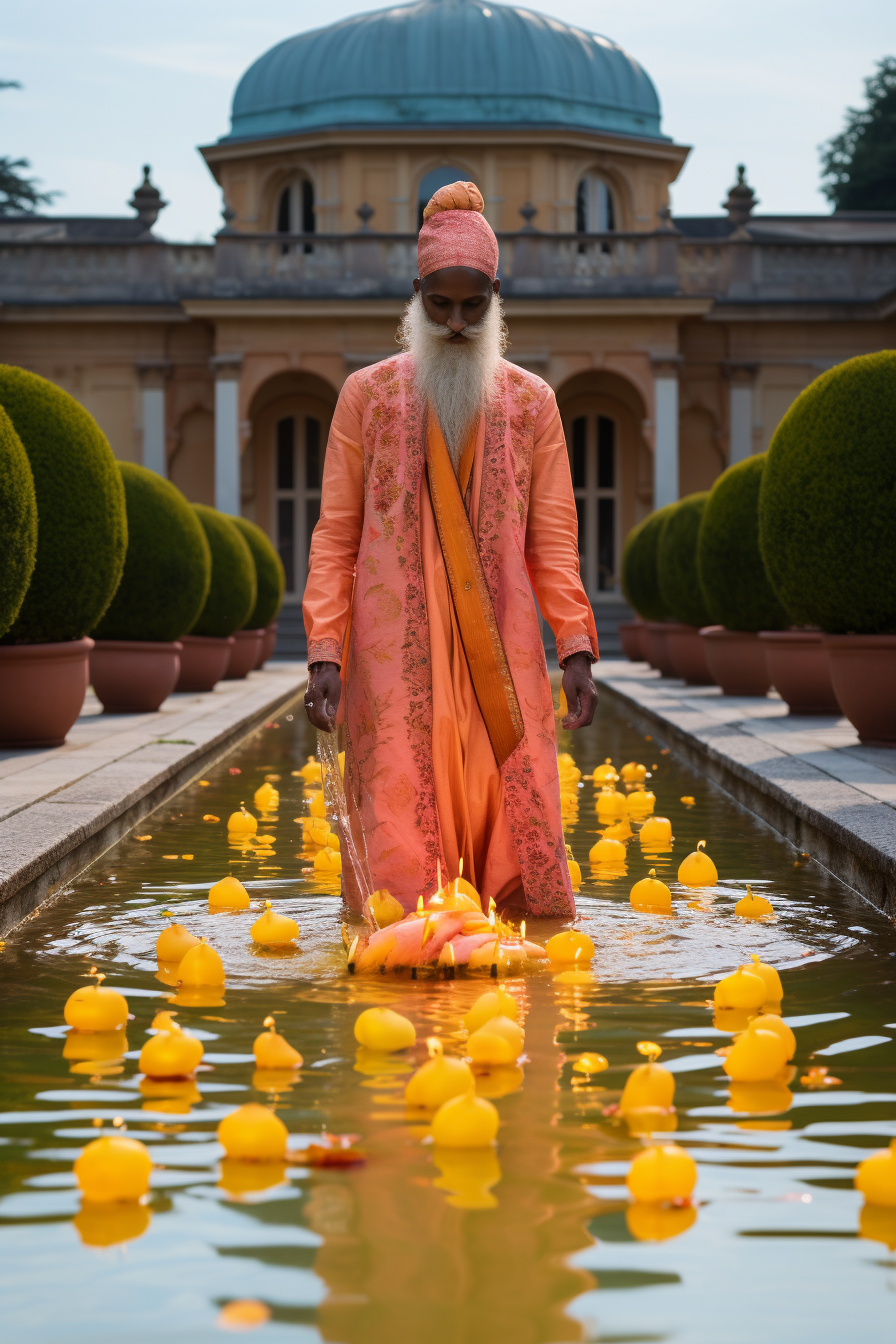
95,1007
876,1177
649,1087
173,942
743,989
466,1121
495,1003
241,823
757,1055
228,894
651,894
114,1167
439,1079
641,803
385,909
170,1054
201,965
605,774
267,798
384,1030
611,804
273,930
753,907
633,773
662,1174
698,869
656,831
328,861
563,947
500,1040
774,990
252,1133
273,1051
607,853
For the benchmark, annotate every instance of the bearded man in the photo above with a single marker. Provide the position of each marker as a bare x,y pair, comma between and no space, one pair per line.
446,500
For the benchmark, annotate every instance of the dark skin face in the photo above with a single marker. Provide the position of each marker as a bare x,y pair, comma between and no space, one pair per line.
457,297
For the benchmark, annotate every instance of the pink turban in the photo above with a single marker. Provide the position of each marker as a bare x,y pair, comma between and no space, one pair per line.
456,233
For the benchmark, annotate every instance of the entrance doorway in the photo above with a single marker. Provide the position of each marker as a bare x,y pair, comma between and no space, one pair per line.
593,451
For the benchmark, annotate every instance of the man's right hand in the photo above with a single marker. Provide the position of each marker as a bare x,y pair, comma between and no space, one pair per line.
322,695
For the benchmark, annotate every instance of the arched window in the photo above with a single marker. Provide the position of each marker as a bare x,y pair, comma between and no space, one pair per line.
593,452
595,212
299,463
438,177
295,209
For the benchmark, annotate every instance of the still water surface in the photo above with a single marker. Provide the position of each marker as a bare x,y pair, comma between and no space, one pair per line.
391,1251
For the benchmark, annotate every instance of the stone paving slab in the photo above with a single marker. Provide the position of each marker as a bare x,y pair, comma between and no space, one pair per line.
810,777
62,807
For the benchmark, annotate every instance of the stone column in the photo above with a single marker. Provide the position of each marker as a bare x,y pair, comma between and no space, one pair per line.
227,432
741,378
665,432
153,377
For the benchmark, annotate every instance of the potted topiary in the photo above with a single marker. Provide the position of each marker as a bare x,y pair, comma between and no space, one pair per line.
230,600
270,582
680,589
640,584
135,662
738,595
81,543
18,523
827,534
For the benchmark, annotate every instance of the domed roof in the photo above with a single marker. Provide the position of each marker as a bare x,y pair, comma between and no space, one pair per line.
445,63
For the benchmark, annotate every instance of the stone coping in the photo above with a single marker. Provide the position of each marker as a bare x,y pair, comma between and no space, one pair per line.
809,777
62,807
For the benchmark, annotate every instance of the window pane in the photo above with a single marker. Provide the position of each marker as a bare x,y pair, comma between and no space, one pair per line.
312,453
286,434
284,224
312,517
580,518
579,441
582,207
606,544
307,206
606,456
286,531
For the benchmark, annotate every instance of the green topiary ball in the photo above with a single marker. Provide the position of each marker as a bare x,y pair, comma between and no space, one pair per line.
269,574
82,525
232,593
168,567
737,591
679,585
828,499
640,580
18,523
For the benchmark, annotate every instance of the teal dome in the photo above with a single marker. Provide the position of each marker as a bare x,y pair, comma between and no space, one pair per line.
445,63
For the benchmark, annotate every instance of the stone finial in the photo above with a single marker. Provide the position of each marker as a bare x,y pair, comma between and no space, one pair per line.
365,213
741,199
228,214
147,201
528,212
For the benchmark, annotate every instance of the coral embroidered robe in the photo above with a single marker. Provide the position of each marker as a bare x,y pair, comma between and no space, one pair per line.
420,771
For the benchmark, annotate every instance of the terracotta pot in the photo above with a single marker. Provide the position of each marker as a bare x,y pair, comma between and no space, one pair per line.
133,676
42,690
800,671
268,644
655,649
687,654
246,650
631,636
863,673
203,662
736,660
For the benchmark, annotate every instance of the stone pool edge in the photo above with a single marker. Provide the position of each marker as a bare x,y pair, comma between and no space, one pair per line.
41,871
848,855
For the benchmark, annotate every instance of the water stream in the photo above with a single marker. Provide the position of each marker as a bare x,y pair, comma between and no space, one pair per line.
387,1253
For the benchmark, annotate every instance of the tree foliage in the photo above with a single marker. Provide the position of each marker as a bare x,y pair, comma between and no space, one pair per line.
860,163
19,195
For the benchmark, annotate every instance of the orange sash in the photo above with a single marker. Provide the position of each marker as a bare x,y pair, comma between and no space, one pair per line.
479,634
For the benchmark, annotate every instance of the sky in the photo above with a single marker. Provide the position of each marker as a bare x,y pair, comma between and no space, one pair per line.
111,84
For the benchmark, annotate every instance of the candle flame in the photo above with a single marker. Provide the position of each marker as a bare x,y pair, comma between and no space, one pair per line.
434,1046
268,1022
352,950
491,904
450,954
118,1121
460,866
427,931
701,844
523,930
419,905
267,905
650,1049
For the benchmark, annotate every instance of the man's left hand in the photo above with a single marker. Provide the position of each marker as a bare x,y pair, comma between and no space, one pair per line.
580,691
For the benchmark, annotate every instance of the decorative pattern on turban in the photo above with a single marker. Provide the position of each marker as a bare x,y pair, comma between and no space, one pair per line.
456,233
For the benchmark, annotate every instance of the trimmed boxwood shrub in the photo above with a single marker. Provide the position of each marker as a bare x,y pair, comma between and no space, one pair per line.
82,526
18,523
168,567
732,576
679,585
827,507
232,592
640,578
269,574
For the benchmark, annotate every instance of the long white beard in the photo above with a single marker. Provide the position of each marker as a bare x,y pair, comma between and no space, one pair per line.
456,378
